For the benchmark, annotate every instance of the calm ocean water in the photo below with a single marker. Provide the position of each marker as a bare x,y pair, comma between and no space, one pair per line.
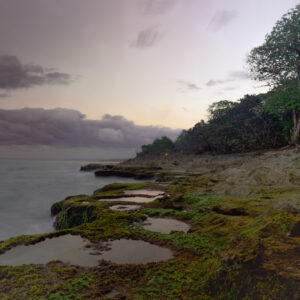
29,187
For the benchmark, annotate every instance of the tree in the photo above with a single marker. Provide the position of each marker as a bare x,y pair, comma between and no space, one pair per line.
159,146
220,108
282,101
277,61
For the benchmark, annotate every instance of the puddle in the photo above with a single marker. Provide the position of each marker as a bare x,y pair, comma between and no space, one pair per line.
165,225
67,248
135,252
125,207
137,199
144,192
73,250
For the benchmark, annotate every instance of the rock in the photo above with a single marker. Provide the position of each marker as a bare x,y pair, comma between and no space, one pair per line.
233,190
294,177
268,176
288,205
134,172
93,167
296,230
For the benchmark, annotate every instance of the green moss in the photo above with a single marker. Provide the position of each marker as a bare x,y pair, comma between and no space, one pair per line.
180,279
81,282
56,208
21,239
205,202
162,212
269,224
122,186
45,282
222,257
62,220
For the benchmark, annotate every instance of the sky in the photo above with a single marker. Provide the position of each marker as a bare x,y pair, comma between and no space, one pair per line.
115,74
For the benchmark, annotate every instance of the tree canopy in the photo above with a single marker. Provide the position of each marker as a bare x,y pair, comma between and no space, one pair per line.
278,59
232,127
277,62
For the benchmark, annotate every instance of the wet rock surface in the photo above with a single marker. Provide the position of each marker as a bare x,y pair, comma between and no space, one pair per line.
125,207
136,199
93,167
150,193
133,172
165,225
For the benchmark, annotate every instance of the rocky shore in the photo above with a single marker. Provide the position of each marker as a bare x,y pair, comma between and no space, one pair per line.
242,237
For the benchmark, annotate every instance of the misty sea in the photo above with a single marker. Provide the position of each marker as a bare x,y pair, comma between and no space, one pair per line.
28,188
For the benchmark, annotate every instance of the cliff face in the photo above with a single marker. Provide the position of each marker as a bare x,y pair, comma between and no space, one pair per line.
243,242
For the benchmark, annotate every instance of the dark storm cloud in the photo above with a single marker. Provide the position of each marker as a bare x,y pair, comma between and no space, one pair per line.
70,128
147,38
190,86
16,75
232,76
156,7
221,19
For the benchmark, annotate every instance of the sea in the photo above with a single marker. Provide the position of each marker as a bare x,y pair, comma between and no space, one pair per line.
28,188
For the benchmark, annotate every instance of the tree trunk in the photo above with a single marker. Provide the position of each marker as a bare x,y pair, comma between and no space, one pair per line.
296,128
296,122
298,73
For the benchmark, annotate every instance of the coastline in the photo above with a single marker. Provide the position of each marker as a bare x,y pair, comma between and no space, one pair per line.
243,210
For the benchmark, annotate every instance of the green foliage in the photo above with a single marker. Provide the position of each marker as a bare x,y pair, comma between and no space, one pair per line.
237,127
159,146
278,60
233,127
183,142
283,101
220,108
283,98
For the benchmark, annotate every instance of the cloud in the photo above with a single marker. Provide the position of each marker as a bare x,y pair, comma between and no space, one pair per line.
239,75
230,88
147,38
4,95
213,82
190,86
232,76
16,75
221,19
69,128
156,7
